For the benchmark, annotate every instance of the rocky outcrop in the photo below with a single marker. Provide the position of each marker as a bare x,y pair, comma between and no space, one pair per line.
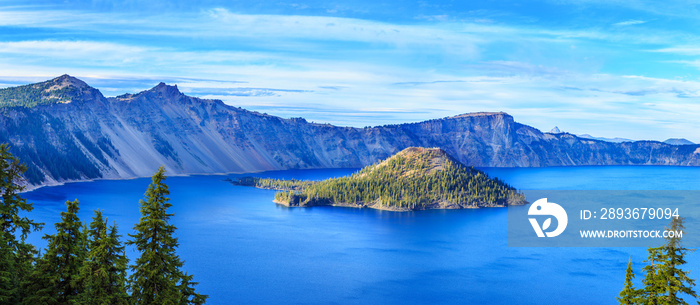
83,135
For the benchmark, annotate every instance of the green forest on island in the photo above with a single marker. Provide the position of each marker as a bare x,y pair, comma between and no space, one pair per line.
411,179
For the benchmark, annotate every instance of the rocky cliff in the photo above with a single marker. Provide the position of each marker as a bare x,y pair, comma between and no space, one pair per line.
65,130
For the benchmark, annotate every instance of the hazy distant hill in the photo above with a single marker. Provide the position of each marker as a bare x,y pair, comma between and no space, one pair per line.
614,140
678,141
66,130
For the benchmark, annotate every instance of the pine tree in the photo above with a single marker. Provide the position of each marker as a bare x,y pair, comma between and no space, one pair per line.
675,280
56,277
653,291
664,280
104,270
629,295
187,293
156,277
16,256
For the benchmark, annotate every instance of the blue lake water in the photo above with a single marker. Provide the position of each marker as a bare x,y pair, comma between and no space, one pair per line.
244,249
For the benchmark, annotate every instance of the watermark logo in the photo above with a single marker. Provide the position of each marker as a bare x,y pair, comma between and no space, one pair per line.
543,208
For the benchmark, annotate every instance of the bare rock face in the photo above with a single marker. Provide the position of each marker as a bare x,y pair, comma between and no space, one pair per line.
76,133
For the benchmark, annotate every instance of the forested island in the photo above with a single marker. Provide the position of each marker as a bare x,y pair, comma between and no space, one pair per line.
413,179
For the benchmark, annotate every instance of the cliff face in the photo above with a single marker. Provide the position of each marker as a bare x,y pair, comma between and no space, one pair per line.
75,133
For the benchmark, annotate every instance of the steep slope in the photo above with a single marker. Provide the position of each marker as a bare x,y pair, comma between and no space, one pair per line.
65,130
414,179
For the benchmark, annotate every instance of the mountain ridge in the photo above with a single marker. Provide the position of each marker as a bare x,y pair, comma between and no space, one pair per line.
130,135
613,140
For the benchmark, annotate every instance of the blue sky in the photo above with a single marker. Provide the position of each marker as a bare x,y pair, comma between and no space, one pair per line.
607,68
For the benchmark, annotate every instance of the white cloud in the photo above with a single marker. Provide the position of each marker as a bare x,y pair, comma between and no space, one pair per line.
367,59
72,49
674,8
629,22
682,50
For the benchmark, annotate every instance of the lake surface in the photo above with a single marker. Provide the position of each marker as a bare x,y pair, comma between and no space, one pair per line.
244,249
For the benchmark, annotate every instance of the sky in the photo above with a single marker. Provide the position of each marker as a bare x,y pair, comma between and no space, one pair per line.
607,68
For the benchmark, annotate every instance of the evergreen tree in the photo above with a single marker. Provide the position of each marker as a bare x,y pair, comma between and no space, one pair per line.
187,293
16,256
156,277
104,270
675,280
629,295
664,280
56,277
653,284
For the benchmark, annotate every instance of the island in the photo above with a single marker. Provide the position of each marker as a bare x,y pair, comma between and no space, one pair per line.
416,178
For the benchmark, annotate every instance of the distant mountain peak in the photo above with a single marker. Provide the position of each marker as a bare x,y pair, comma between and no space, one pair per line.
162,91
678,141
66,80
65,77
64,89
163,87
166,90
555,130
